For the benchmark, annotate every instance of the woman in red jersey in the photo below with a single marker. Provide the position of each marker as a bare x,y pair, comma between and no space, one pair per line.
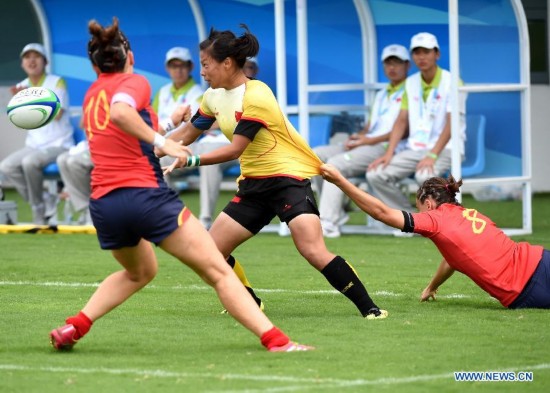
517,274
131,205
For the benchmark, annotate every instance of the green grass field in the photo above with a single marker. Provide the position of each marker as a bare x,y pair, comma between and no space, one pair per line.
171,337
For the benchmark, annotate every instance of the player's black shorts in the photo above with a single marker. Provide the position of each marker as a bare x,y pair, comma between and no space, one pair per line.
258,201
126,215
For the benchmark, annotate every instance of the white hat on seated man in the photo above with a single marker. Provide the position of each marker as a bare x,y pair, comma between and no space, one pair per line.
178,53
394,50
424,40
34,47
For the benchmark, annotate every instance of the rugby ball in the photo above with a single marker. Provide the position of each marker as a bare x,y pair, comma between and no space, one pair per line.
33,107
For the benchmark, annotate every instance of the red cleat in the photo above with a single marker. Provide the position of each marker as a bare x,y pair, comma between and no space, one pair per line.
292,347
62,338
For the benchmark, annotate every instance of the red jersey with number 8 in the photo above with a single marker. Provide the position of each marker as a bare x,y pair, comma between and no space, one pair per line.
120,160
472,244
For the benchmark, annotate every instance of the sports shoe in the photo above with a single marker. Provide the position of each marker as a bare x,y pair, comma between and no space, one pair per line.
38,214
329,229
283,230
376,313
50,212
398,233
62,338
342,219
291,347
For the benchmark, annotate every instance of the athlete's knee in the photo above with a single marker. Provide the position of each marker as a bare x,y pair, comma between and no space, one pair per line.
144,274
423,175
29,163
336,160
4,168
315,255
216,273
374,176
62,158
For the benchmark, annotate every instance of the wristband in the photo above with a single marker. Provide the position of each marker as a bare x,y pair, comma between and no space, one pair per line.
159,140
432,155
193,161
168,125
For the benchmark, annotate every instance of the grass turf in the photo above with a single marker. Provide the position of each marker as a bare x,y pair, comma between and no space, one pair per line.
170,337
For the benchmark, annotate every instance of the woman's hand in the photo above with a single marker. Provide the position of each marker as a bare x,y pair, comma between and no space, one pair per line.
427,165
179,162
428,293
383,160
175,149
330,173
181,114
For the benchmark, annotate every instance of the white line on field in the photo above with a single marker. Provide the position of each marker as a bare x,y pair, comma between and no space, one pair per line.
316,383
49,284
381,381
207,288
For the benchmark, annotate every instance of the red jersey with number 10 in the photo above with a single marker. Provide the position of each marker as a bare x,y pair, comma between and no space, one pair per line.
120,160
472,244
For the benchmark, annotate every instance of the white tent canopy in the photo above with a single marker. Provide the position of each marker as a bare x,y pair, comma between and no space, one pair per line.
367,23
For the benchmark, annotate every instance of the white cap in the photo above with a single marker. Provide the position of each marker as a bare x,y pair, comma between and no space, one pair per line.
178,53
424,40
398,51
252,59
39,48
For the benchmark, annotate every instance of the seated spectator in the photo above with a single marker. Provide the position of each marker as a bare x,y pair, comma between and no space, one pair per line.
251,67
75,168
181,90
354,156
23,168
425,114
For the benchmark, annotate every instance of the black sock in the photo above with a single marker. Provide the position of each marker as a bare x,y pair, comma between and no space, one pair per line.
256,298
231,261
344,279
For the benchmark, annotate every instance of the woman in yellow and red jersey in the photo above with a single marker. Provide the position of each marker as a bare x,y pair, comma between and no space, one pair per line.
276,165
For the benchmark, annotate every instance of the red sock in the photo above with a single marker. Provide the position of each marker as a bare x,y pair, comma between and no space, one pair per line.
82,324
274,338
